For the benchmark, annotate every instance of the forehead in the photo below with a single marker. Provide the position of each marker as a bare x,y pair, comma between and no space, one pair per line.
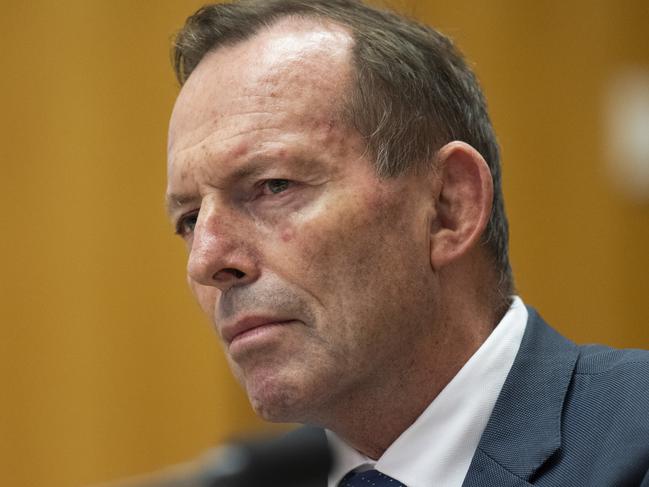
297,68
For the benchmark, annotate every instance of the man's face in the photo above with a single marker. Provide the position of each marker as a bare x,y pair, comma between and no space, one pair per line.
314,271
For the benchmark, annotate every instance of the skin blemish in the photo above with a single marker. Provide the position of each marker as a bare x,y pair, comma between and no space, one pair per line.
287,234
239,150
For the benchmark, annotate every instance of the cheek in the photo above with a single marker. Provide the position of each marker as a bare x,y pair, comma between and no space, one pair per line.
336,247
363,251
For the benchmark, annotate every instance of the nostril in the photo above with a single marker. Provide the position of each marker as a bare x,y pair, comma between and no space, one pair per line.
237,273
233,272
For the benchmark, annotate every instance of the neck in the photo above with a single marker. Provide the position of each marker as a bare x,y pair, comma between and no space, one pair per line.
373,417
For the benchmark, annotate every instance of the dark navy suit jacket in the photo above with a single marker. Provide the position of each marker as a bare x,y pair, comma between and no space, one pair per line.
567,415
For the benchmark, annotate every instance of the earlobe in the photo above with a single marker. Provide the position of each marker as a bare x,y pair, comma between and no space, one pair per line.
463,203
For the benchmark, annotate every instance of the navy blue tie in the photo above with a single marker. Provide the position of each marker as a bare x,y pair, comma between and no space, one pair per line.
369,478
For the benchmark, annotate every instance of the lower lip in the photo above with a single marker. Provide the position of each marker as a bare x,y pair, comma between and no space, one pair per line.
256,335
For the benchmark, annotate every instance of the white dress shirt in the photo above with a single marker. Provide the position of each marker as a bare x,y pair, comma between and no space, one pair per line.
438,447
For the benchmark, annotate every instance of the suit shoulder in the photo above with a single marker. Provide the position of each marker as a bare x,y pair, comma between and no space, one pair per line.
600,359
606,407
612,383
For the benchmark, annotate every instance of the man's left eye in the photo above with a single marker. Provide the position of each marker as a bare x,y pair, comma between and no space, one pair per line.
275,186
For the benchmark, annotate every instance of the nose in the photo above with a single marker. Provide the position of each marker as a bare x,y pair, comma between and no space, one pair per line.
222,253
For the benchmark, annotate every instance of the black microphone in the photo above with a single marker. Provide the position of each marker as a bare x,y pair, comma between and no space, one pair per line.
301,458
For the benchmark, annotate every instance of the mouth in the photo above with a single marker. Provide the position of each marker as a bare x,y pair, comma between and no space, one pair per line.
249,326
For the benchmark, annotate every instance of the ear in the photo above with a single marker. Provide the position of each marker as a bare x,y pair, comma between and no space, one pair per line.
463,203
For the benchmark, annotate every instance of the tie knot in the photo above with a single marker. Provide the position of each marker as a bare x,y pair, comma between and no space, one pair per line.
369,478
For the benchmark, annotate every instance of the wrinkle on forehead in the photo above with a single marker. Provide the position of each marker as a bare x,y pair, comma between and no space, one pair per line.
261,74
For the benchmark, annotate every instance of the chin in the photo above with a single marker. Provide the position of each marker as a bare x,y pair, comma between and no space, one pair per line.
277,401
286,390
284,397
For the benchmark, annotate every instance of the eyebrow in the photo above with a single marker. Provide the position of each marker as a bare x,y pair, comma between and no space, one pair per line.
251,169
178,200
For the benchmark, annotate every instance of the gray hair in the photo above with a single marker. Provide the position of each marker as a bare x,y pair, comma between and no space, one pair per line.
412,94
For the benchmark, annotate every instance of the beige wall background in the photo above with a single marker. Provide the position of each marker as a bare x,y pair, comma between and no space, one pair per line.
107,367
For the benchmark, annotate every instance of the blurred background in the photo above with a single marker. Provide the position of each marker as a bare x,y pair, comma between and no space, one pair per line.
107,367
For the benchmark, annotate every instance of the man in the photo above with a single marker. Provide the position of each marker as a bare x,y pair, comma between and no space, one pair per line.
335,176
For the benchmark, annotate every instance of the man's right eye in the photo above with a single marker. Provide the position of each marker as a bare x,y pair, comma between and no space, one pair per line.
186,224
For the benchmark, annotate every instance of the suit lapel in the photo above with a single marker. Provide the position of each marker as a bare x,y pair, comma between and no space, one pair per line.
524,429
486,472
